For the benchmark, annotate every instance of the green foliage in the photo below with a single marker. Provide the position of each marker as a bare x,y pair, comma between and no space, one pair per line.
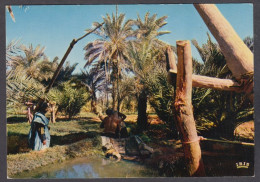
249,41
217,112
69,98
161,96
94,80
27,68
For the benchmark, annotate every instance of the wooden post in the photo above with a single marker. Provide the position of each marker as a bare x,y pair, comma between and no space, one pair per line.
29,111
239,58
53,111
183,107
171,63
171,66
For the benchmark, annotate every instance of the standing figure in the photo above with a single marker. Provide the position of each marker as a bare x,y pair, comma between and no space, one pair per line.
39,136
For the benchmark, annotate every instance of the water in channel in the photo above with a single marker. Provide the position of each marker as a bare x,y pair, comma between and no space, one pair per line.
97,167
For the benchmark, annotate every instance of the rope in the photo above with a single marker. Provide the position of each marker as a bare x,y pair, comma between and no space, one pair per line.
192,141
233,142
216,140
245,83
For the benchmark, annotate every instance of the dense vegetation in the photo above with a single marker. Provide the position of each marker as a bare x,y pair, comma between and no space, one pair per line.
126,70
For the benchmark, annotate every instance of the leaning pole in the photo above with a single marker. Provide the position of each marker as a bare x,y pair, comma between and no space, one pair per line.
239,58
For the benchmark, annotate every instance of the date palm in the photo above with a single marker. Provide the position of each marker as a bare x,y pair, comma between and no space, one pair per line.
9,9
149,28
27,68
94,81
34,62
144,60
146,52
110,48
126,88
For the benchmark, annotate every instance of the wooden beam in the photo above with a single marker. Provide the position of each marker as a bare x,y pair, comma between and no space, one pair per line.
184,112
209,82
198,80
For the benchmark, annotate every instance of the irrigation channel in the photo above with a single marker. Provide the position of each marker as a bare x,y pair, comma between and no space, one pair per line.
220,159
94,167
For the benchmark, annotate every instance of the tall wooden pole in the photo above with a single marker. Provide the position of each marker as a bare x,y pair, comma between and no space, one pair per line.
184,112
239,58
56,73
73,42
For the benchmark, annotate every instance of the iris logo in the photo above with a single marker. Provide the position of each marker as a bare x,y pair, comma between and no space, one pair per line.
242,165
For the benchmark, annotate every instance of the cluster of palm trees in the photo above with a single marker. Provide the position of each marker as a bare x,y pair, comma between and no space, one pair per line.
126,48
28,73
125,64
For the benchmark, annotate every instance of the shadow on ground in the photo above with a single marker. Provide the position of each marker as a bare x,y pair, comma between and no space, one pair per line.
16,119
18,143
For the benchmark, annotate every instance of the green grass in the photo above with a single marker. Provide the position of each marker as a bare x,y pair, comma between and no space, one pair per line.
78,137
62,132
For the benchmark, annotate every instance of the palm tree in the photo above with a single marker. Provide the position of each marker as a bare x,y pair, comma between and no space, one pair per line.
34,62
126,88
145,53
94,81
144,60
21,88
9,9
27,70
22,84
111,47
69,97
65,74
149,28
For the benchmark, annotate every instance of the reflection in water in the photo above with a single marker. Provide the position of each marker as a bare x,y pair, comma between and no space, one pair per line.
90,168
77,171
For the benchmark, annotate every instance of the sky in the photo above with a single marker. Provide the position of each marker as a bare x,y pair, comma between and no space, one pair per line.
55,26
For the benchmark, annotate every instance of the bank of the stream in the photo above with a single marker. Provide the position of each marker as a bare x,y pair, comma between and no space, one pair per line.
80,137
17,163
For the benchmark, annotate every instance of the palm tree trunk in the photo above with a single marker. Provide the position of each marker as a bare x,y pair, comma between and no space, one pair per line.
113,95
142,120
94,105
238,56
114,85
184,111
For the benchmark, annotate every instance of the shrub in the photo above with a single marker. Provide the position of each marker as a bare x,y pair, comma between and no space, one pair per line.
69,98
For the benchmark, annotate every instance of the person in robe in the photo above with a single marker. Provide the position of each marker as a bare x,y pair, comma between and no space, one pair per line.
39,136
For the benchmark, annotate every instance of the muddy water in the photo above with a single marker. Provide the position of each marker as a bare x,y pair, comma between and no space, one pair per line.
97,167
